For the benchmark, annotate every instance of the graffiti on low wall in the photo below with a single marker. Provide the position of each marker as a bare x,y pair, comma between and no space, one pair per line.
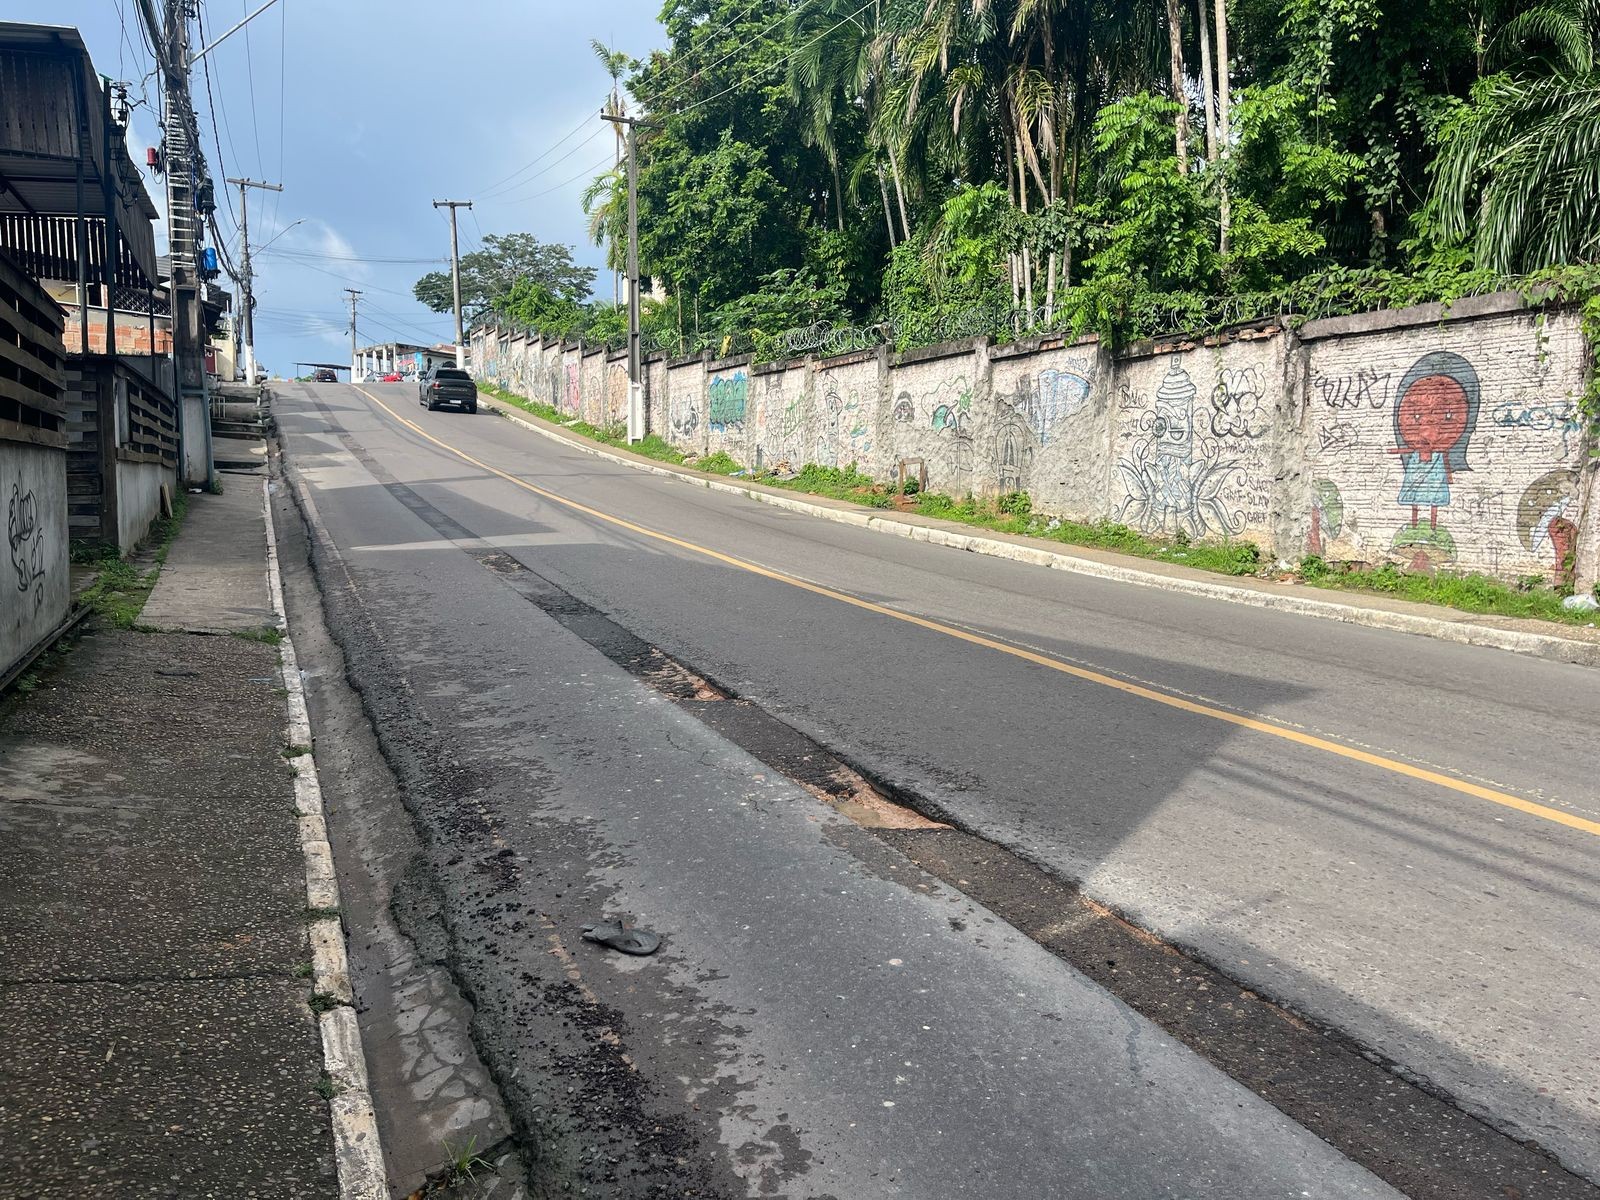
1454,444
729,399
1460,449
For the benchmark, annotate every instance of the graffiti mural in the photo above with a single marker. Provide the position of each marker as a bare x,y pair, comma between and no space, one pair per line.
1047,399
730,396
25,535
1238,407
572,396
1435,415
843,436
1175,478
1327,516
904,411
1547,522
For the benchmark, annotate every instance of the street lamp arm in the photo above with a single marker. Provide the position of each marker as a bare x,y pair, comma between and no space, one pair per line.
205,50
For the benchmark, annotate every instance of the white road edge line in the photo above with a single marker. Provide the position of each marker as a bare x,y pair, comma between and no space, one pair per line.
358,1153
1462,632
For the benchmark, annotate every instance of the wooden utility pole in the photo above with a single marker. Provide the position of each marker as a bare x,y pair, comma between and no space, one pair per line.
455,270
248,302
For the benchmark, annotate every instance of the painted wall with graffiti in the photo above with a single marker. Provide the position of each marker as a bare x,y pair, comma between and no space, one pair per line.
939,412
34,590
686,425
846,411
1050,421
1428,439
1195,437
1454,446
779,426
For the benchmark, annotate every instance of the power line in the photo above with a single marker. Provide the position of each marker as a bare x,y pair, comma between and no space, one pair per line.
290,252
499,187
552,164
215,138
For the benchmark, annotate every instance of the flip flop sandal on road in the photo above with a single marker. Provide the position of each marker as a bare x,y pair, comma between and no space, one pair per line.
629,941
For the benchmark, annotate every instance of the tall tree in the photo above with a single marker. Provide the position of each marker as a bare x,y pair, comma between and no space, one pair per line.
489,274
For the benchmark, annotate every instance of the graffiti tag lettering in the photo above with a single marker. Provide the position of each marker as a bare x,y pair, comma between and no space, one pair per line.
25,535
1366,386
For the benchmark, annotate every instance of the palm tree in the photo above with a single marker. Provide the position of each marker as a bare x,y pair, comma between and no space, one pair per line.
1520,169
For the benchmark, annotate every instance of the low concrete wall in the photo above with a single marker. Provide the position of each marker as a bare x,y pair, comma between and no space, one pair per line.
139,499
1428,438
34,586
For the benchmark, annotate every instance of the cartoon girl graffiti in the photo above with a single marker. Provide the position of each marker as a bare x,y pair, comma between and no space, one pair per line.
1435,415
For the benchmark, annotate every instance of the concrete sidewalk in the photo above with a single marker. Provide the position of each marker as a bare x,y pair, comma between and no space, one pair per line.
153,965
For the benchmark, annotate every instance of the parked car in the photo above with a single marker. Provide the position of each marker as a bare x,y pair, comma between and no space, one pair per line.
447,385
325,375
392,377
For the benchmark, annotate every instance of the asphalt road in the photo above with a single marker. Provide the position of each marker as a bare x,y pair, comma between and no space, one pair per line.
842,1026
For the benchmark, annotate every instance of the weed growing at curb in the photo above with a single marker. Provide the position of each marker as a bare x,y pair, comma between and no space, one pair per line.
327,1087
463,1164
321,1002
1012,513
302,970
321,914
267,635
295,750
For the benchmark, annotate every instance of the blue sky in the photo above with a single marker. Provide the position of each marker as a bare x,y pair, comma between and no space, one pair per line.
368,110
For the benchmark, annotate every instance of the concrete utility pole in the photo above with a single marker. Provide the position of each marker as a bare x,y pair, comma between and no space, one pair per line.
249,321
455,269
187,189
355,374
635,378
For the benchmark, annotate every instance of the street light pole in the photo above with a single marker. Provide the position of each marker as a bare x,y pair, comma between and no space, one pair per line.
249,297
455,270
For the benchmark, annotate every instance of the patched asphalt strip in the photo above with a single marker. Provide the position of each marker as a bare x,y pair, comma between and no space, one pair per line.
1396,1126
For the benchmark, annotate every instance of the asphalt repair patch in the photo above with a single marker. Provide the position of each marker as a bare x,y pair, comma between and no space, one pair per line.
1398,1127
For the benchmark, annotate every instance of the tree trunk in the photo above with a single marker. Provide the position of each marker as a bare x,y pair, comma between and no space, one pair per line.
1175,42
888,217
838,194
1226,213
900,194
1050,290
1207,94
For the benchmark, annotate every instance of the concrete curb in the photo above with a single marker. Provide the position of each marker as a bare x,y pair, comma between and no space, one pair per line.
357,1150
1463,632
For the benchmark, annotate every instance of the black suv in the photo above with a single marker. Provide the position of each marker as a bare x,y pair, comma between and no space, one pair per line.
439,386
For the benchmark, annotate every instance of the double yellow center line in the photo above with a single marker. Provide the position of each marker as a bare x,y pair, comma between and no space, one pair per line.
1392,765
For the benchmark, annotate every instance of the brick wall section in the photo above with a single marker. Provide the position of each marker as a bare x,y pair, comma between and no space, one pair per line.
1428,438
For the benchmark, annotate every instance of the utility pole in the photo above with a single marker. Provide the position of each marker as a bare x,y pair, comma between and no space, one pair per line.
188,200
635,368
455,269
354,374
249,302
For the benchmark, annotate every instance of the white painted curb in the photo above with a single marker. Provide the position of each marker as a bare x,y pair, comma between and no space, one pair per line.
1463,632
357,1152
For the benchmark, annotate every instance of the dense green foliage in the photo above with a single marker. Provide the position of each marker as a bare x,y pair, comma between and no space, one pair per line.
1068,162
937,168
